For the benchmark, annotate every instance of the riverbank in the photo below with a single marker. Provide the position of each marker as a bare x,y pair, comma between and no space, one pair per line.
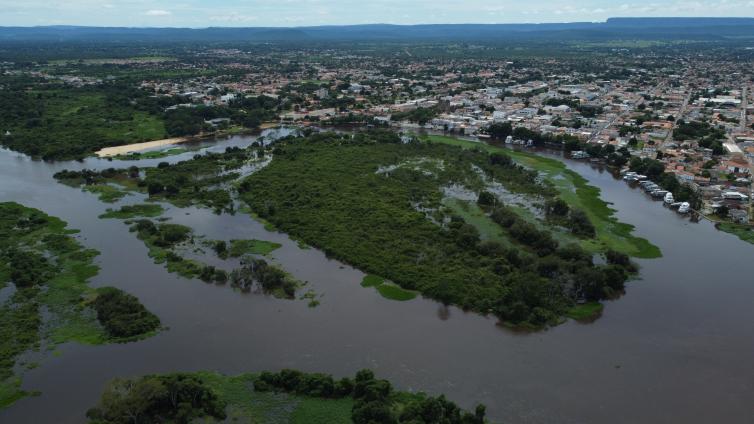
743,232
136,147
127,150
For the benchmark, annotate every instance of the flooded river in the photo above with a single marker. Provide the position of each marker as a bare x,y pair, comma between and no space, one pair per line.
676,348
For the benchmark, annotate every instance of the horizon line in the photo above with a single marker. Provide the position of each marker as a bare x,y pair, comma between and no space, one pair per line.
386,24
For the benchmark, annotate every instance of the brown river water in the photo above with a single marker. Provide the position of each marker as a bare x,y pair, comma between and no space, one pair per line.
677,348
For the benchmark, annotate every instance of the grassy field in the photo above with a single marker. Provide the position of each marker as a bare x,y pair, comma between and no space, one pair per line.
395,292
387,289
155,154
149,210
575,190
744,232
245,405
106,193
586,312
474,215
254,247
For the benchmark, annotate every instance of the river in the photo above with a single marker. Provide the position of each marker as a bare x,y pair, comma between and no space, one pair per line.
676,348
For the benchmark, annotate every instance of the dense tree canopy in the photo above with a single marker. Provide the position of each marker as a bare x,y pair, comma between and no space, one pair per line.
376,203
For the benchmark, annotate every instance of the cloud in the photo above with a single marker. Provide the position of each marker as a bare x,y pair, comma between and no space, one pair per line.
233,17
157,12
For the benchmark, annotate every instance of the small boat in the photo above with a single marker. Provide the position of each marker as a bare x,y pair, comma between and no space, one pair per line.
669,199
659,194
684,208
579,154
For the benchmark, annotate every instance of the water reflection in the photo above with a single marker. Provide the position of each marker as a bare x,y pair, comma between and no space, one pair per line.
670,350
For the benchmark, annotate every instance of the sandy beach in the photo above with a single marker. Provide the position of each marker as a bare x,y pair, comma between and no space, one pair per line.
136,147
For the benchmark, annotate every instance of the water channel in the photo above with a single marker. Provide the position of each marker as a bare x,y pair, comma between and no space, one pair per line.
678,347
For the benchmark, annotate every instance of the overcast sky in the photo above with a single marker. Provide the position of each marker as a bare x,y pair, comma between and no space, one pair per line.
204,13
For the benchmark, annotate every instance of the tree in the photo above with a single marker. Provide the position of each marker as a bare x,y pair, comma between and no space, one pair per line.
221,248
556,207
723,211
486,199
580,224
178,398
122,314
500,130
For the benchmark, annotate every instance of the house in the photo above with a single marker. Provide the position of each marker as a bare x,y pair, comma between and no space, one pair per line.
739,216
227,98
558,110
734,195
322,93
218,121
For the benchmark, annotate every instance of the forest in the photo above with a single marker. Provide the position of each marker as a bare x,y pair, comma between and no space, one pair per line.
376,202
53,121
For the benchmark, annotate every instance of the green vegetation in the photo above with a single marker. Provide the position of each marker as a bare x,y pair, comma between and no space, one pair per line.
134,211
106,193
110,184
395,292
239,248
578,194
388,289
48,119
707,135
379,204
179,398
52,302
744,232
371,281
474,215
162,239
288,396
585,312
270,278
156,154
59,122
205,180
419,115
122,315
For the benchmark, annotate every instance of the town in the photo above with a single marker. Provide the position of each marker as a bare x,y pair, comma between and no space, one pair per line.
452,223
691,114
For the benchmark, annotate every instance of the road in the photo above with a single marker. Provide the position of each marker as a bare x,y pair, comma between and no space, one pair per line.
681,112
744,105
603,128
743,128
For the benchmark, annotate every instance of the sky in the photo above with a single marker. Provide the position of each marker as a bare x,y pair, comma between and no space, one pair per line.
245,13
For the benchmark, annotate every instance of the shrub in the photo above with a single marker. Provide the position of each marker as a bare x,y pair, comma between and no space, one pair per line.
122,315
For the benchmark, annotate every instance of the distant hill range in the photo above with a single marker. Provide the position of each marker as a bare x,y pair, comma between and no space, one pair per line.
614,28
